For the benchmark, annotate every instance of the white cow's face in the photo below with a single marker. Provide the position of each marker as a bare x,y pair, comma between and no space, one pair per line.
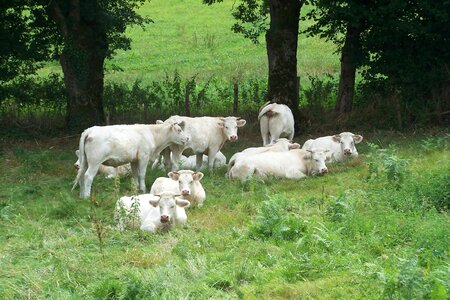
166,204
77,163
230,126
347,141
318,159
285,144
178,136
186,180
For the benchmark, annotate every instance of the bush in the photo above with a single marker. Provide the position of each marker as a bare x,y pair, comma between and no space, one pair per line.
277,221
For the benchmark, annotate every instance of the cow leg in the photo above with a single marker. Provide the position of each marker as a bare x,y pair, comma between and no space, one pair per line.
198,161
142,171
212,157
264,126
275,130
83,170
294,174
176,155
167,160
135,172
88,178
148,225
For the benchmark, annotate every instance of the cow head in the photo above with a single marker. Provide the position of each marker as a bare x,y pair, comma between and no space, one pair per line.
77,163
178,136
166,202
230,126
285,144
318,158
186,180
347,141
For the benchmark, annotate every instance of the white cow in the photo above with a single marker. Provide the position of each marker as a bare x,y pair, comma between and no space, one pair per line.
294,164
275,121
191,162
109,172
341,146
151,212
120,144
279,145
206,136
184,182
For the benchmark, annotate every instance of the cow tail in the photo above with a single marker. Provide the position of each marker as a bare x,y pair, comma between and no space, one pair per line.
82,157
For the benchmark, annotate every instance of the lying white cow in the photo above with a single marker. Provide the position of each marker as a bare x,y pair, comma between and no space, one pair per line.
120,144
294,164
341,146
109,172
152,212
206,136
191,162
184,182
275,121
279,145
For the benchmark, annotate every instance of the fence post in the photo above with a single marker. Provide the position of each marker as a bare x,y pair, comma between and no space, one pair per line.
236,98
187,104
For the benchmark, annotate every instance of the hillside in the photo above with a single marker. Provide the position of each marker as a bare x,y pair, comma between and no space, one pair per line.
194,38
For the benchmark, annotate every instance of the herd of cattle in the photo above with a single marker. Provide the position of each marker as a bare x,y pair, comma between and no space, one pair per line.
121,149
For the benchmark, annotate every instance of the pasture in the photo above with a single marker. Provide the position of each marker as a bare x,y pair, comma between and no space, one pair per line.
375,227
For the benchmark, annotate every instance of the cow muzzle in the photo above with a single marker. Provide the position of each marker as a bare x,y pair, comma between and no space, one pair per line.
324,171
347,152
76,166
164,219
233,138
185,192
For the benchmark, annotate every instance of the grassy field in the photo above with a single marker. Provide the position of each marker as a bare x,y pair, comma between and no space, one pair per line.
196,39
376,227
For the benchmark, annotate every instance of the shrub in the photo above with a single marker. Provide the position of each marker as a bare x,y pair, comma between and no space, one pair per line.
277,221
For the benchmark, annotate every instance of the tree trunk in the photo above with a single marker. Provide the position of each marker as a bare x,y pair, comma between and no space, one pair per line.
82,60
350,50
281,43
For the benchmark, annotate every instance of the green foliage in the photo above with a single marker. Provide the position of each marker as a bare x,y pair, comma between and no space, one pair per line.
277,221
319,96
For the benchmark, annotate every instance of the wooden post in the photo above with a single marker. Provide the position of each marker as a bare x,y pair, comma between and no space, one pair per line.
236,98
187,104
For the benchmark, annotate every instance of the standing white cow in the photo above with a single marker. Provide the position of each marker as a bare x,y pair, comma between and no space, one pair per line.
151,212
275,121
184,182
120,144
109,172
206,136
341,146
279,145
294,164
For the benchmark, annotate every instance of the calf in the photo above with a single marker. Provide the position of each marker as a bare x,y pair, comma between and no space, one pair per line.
152,212
294,164
120,144
279,145
184,182
109,172
275,121
207,136
341,146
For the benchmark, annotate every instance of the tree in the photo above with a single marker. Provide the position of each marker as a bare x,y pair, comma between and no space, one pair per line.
281,43
342,22
82,34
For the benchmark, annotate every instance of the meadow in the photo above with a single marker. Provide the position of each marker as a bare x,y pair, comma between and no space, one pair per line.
374,227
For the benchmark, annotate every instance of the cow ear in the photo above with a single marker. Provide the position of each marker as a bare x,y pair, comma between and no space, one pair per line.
181,124
159,122
308,155
174,175
182,202
197,176
77,153
154,201
336,138
241,122
221,124
294,146
357,138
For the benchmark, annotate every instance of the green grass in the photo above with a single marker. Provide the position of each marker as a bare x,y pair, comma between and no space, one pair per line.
196,39
339,236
